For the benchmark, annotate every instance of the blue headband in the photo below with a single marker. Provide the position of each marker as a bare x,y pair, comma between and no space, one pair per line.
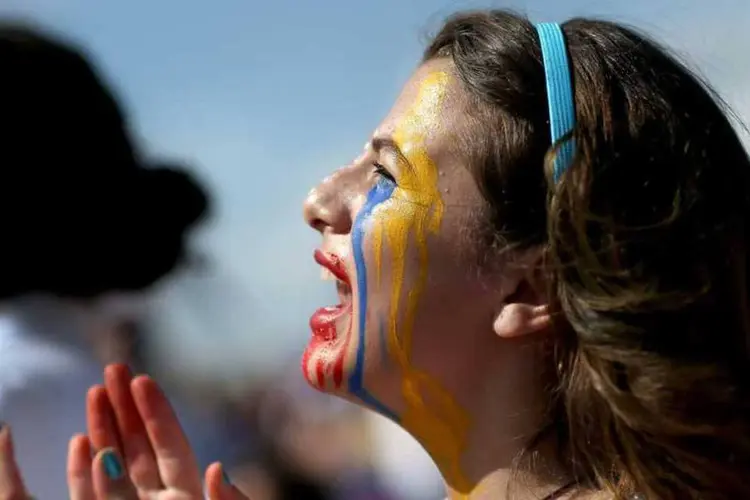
562,114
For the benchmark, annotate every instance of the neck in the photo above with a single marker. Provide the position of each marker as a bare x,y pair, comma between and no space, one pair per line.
505,408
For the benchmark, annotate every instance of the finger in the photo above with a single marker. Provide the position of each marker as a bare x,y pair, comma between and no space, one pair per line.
219,486
100,420
177,464
11,483
111,482
80,483
139,456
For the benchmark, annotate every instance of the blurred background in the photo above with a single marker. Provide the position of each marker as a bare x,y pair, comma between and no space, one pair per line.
264,99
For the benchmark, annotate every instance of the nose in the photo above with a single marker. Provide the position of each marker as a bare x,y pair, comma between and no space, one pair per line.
326,206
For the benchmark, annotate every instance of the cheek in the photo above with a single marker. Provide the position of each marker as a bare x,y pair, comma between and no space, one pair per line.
374,278
397,262
428,287
367,240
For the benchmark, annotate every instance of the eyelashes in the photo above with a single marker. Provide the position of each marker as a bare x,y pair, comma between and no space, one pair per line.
383,172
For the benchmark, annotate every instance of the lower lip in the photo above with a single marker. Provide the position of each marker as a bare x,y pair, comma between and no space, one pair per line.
323,322
324,332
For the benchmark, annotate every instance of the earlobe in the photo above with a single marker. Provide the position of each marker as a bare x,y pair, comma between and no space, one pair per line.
525,310
518,319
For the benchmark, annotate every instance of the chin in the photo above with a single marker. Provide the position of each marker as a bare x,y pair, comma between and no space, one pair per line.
330,355
344,371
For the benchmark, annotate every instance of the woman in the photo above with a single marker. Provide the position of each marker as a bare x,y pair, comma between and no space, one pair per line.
87,230
541,256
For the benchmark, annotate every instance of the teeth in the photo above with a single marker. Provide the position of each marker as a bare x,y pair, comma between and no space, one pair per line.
326,274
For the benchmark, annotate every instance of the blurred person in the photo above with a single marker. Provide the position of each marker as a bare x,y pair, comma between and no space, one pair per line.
89,228
121,343
542,256
268,477
307,446
314,438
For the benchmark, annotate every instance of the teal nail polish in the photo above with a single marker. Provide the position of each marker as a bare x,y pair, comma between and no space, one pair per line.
225,476
112,465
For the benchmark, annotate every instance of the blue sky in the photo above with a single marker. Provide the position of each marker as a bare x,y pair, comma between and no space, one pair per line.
264,98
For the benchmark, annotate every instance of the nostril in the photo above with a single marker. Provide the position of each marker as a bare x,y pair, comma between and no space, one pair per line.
317,224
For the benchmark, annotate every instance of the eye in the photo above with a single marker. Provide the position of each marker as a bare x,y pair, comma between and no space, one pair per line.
383,172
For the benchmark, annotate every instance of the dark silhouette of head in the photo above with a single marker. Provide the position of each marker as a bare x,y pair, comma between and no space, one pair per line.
80,213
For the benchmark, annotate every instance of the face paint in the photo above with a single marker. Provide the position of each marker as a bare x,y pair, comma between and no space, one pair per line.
379,194
323,332
393,214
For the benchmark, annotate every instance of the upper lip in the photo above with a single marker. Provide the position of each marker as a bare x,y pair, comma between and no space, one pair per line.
333,263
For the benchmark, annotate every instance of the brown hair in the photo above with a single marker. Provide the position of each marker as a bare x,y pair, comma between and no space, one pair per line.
645,239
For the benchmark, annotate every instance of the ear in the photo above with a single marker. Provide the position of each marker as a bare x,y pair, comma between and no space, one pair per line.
525,311
518,319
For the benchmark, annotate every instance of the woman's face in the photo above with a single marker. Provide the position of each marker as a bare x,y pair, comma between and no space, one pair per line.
397,226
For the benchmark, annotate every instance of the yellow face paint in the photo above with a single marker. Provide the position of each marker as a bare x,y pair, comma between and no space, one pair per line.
415,209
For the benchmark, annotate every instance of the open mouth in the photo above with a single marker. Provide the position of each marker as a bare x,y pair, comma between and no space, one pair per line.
323,322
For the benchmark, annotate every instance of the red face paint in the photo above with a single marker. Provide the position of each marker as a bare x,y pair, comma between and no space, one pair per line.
338,367
323,325
305,361
320,374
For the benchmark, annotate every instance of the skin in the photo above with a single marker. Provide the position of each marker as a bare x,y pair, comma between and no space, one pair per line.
437,328
129,419
449,351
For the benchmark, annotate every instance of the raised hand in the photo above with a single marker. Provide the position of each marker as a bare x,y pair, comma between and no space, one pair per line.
11,482
142,451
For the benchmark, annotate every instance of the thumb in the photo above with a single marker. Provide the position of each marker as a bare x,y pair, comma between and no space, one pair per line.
219,486
11,483
111,481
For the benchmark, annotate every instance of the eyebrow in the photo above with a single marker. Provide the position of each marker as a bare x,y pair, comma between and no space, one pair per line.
380,143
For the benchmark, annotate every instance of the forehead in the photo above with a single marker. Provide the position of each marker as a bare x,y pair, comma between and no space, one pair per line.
428,104
428,123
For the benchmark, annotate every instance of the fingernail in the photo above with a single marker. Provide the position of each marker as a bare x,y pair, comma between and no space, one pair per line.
112,465
225,476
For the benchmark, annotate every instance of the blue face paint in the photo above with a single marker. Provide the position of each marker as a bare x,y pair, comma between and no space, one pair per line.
378,194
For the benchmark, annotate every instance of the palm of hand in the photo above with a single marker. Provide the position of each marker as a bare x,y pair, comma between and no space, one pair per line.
144,454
